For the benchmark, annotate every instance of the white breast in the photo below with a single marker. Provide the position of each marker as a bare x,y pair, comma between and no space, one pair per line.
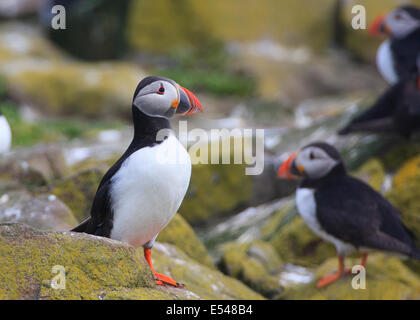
305,202
5,135
148,189
385,62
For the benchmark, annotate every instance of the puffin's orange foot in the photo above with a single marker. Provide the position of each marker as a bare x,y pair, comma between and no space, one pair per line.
163,280
327,280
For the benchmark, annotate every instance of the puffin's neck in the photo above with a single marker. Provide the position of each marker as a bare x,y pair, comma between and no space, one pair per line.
146,126
335,173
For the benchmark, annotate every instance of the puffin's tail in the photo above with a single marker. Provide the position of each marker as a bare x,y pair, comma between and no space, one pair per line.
81,227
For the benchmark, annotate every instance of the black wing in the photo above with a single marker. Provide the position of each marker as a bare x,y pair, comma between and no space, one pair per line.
351,211
379,117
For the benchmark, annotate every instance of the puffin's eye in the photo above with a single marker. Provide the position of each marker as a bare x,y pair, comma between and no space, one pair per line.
311,155
398,16
161,90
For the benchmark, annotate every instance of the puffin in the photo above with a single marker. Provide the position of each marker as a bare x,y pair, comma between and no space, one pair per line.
142,191
396,57
344,210
5,134
396,111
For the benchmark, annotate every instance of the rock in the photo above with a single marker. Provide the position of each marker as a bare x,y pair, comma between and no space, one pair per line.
215,191
205,282
35,71
180,234
43,212
99,268
79,190
386,279
254,264
31,168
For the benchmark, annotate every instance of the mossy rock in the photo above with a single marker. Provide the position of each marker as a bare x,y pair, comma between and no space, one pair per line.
373,173
204,282
79,190
215,191
82,89
180,234
94,267
297,244
386,279
254,264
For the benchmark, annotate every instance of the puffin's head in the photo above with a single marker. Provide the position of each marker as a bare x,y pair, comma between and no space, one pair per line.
314,161
163,97
397,24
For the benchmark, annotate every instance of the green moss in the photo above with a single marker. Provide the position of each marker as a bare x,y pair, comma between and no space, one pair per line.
177,231
254,264
78,191
297,244
386,279
215,191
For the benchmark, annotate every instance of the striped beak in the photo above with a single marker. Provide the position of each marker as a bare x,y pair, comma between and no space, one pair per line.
286,168
188,102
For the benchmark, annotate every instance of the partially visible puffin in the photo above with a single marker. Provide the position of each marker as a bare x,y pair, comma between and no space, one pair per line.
396,57
5,134
397,110
343,210
142,191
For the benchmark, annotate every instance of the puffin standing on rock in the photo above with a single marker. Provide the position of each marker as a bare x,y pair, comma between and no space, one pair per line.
5,134
396,57
142,191
397,110
343,210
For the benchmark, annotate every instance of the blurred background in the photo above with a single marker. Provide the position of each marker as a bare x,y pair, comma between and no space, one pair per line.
294,68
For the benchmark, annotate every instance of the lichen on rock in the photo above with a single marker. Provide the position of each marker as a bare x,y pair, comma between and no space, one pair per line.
177,232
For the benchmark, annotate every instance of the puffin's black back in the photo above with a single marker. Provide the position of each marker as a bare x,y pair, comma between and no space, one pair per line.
405,52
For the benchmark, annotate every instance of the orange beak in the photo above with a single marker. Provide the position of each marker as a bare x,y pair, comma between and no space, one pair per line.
379,27
284,171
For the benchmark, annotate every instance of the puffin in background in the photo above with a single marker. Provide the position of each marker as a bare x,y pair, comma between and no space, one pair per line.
343,210
5,134
397,110
396,57
143,190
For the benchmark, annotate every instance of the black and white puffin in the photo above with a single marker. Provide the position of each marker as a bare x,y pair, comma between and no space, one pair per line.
396,111
142,191
5,134
343,210
396,56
